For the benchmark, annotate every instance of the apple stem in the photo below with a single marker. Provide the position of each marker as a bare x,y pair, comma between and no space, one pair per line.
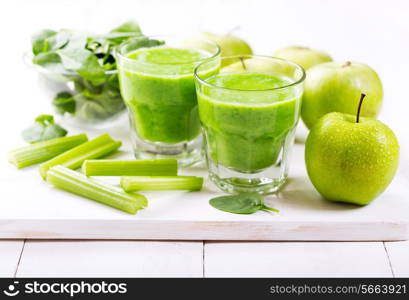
242,62
346,64
359,107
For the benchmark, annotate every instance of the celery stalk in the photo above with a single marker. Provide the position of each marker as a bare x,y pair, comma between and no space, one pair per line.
43,151
79,184
139,183
98,147
148,167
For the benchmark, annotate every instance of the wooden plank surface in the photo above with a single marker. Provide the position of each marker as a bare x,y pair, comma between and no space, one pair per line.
111,259
219,259
40,211
296,260
398,253
10,252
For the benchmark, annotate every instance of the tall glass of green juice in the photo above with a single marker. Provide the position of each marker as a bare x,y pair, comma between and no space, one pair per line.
157,84
249,111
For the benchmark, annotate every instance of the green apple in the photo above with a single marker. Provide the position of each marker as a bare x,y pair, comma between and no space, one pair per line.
305,57
229,44
334,86
351,159
250,64
259,65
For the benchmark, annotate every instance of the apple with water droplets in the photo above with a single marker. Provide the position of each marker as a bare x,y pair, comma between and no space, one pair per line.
351,158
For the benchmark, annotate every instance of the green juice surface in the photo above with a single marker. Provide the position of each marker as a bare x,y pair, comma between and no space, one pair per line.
160,93
246,128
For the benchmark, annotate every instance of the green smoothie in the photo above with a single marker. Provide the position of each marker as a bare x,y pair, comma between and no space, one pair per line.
247,120
158,88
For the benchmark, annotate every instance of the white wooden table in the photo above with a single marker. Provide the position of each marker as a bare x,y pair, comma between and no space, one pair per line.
197,259
375,32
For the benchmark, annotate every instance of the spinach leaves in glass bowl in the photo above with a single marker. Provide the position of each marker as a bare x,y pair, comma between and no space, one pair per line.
80,71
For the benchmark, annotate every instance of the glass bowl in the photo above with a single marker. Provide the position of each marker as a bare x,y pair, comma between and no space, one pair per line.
79,102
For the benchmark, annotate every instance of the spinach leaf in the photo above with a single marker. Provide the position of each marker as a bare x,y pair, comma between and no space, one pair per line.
59,40
246,203
64,102
49,40
97,102
128,27
145,42
43,129
50,61
40,42
96,94
77,58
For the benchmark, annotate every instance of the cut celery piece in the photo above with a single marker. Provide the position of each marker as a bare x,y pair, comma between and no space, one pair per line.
79,184
43,151
146,167
139,183
98,147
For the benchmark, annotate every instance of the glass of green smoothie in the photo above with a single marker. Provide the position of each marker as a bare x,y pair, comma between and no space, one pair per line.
157,84
249,111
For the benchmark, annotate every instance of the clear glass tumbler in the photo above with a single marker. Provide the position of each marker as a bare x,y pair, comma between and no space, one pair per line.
249,112
157,85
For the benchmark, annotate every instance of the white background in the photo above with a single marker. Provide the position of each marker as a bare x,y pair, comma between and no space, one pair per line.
373,32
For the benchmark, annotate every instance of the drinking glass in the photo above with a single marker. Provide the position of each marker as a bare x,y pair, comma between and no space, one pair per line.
249,112
157,85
